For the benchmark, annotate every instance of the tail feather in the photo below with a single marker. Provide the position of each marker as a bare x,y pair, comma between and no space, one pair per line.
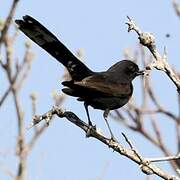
70,92
45,39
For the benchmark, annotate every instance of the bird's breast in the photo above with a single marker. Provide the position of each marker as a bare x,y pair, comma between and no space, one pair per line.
108,102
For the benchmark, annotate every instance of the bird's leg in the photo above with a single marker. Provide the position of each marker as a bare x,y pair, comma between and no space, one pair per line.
87,112
89,121
105,115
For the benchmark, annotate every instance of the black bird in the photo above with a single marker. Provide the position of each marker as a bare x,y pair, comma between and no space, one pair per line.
105,90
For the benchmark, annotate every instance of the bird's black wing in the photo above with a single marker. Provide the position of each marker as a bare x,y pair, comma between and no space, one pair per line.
103,85
45,39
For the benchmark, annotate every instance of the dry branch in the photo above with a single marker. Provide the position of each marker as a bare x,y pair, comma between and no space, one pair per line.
160,62
145,165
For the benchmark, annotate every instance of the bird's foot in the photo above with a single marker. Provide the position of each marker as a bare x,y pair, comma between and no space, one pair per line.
112,140
91,128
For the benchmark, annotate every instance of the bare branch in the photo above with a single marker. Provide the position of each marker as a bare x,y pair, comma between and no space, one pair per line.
6,170
169,158
8,21
145,166
176,7
160,63
132,147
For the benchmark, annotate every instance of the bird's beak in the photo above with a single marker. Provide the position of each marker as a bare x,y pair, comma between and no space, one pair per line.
140,73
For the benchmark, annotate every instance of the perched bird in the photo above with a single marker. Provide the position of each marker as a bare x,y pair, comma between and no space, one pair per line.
107,90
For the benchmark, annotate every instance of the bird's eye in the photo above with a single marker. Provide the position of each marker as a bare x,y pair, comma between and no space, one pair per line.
132,68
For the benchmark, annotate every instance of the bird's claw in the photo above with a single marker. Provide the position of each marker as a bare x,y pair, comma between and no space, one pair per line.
112,140
90,129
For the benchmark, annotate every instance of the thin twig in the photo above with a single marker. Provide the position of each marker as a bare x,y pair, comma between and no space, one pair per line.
8,21
169,158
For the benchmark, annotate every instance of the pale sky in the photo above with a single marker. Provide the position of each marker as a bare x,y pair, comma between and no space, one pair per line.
98,27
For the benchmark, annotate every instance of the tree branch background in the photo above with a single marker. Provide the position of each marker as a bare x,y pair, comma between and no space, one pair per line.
29,77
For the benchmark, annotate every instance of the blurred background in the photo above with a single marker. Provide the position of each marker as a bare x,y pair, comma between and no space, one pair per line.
96,32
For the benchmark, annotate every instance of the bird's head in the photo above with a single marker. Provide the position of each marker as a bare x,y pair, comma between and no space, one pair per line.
127,69
131,69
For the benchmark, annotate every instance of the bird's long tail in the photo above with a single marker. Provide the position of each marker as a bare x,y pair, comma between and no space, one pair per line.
45,39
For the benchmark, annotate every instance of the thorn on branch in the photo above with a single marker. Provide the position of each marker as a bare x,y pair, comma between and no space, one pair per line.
132,146
144,164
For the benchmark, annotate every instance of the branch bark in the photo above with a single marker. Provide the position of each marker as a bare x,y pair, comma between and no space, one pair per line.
160,62
146,166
